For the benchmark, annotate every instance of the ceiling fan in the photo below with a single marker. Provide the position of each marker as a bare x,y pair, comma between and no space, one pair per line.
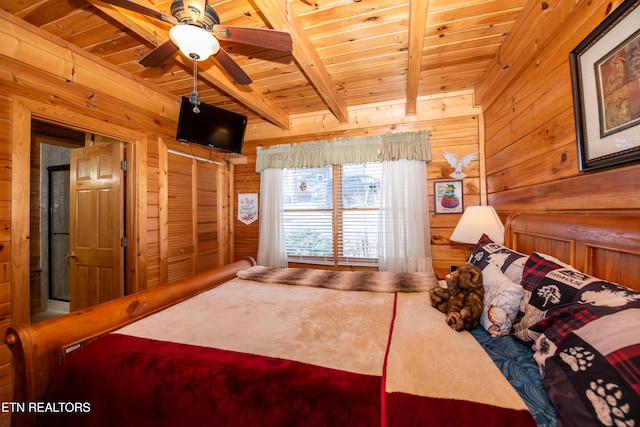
195,32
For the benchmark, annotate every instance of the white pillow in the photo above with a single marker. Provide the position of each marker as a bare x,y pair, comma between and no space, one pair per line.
501,301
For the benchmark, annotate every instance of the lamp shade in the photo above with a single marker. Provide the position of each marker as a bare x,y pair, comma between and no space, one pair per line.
476,221
194,42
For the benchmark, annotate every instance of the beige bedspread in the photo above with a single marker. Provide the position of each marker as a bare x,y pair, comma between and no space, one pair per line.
427,358
423,365
341,330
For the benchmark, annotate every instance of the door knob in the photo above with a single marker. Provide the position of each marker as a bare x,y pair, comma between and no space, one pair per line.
70,255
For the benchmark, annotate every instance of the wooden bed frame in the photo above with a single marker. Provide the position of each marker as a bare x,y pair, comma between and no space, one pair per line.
603,244
39,349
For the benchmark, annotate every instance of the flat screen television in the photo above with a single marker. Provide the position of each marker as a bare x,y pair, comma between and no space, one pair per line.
212,126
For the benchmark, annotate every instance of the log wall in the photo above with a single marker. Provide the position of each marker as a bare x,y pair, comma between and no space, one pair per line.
46,79
526,97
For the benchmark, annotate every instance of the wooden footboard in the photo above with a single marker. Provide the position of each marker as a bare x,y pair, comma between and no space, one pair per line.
39,349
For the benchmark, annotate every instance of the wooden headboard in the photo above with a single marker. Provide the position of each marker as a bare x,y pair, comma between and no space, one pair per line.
602,244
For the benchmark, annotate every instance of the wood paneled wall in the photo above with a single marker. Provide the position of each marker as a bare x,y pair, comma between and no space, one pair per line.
55,82
531,151
455,126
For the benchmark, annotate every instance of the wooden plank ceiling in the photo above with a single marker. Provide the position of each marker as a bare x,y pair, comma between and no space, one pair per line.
345,52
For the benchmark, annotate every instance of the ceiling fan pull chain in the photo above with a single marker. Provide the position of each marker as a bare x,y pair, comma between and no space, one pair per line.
193,99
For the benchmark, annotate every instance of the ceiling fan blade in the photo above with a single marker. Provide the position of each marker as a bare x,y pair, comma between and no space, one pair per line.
161,54
232,67
140,8
262,37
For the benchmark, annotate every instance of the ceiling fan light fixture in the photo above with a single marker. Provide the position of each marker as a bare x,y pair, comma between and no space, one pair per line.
194,42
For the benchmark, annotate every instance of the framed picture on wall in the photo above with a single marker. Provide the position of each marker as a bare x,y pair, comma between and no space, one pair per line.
605,75
448,197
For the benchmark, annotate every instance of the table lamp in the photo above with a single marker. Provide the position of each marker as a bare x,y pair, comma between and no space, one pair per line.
478,220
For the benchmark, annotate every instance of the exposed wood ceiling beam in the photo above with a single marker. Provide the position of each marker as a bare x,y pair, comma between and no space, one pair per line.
417,28
281,17
207,70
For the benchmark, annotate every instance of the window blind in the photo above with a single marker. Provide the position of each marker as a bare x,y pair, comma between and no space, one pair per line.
332,224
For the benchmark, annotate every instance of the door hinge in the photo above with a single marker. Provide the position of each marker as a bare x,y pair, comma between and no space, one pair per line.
123,165
123,242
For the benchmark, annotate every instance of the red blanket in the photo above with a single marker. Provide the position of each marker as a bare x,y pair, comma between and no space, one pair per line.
130,381
409,410
139,382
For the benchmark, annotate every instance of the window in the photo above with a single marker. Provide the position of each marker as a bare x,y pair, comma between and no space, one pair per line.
332,224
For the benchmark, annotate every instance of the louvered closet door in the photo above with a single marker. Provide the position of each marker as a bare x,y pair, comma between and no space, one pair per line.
193,228
181,212
208,239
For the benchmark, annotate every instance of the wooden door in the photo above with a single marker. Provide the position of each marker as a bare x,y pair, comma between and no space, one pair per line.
96,256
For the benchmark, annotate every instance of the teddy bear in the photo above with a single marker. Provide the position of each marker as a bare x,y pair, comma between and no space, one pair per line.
462,301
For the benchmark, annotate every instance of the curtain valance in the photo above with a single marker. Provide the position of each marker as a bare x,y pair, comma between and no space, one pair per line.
359,149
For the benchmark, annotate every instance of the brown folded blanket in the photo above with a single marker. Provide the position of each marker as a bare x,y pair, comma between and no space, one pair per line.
373,281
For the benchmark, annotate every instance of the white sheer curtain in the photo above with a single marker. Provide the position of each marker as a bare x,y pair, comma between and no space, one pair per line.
404,238
272,250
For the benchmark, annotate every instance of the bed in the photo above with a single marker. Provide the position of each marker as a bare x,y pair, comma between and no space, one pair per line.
228,348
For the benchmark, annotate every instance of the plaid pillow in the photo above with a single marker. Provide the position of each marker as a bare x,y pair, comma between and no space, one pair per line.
487,252
589,354
547,283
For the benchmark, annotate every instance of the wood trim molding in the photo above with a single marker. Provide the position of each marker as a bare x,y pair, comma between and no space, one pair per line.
23,111
20,217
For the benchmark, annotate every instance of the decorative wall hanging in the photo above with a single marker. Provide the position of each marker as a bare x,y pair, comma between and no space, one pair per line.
448,197
247,207
605,73
459,163
248,204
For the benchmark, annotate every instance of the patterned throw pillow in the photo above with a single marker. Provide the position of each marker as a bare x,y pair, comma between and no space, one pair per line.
501,301
487,252
589,354
547,283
